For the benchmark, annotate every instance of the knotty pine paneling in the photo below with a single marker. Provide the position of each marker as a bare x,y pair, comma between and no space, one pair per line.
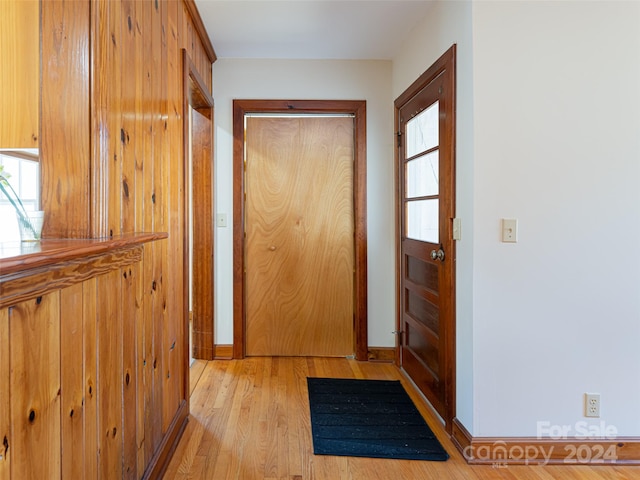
142,366
115,154
131,317
135,47
68,373
162,206
130,57
137,133
109,344
175,332
194,46
65,125
34,341
71,381
90,379
150,407
5,396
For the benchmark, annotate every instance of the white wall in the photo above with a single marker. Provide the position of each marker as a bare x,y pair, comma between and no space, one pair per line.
304,80
448,23
548,133
557,129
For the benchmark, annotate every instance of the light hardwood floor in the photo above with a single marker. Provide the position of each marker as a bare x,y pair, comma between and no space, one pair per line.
250,420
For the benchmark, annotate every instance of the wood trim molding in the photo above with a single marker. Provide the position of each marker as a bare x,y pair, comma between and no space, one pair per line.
200,136
503,451
51,252
356,107
19,287
21,154
61,263
382,354
160,461
223,352
460,436
201,29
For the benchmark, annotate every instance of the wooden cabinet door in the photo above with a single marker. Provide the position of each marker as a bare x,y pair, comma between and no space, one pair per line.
19,73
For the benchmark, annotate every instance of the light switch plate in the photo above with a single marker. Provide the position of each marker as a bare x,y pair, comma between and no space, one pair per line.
221,220
509,230
457,229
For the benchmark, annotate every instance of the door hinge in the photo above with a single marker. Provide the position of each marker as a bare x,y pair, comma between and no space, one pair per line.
399,136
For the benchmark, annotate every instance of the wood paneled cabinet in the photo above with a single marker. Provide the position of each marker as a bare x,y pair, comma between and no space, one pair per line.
19,73
80,394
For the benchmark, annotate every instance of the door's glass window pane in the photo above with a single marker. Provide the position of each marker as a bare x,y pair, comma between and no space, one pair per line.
422,131
422,220
421,176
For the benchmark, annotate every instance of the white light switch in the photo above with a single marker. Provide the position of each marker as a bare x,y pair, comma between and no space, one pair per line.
509,230
221,220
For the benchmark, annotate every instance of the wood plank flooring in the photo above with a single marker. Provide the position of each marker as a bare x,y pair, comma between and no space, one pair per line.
250,420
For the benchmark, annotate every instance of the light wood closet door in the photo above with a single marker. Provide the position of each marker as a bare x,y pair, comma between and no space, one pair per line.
300,236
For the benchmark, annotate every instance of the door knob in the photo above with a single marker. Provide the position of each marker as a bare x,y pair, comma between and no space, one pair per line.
437,254
272,248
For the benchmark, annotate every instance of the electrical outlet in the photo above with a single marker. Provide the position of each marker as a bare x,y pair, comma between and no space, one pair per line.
592,405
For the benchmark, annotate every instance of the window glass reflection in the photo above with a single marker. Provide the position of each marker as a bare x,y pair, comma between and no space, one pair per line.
422,220
422,131
421,176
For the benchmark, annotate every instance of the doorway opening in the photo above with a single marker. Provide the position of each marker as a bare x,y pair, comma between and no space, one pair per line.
198,205
425,166
357,109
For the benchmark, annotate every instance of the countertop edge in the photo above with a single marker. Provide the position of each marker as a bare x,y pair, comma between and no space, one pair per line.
58,250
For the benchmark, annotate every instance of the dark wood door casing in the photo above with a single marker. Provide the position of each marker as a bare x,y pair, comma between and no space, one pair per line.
197,96
358,109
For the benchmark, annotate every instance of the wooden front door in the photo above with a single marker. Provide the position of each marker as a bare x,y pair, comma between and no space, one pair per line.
299,222
426,182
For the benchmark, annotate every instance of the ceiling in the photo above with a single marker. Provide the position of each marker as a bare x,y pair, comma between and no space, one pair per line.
310,29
